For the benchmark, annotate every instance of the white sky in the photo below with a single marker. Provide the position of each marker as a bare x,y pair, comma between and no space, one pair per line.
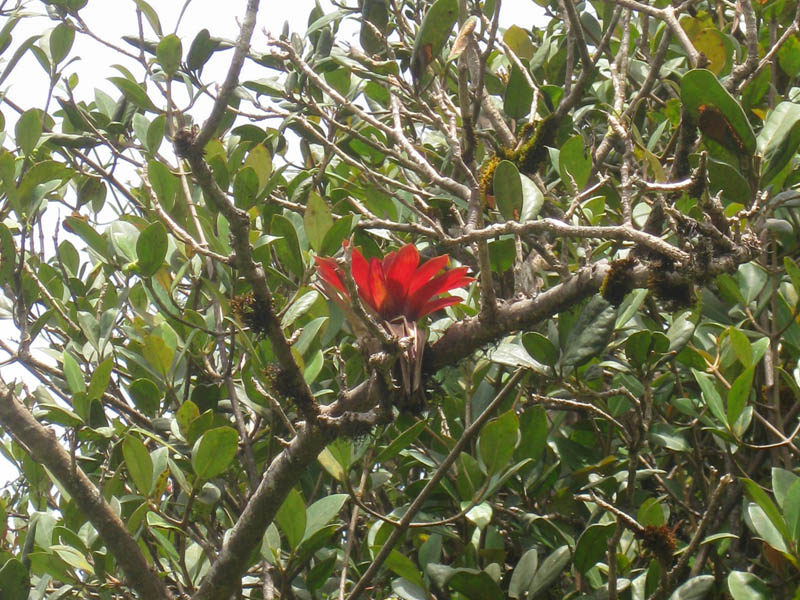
111,19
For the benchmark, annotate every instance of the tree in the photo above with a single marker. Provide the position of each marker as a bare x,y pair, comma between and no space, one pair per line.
238,392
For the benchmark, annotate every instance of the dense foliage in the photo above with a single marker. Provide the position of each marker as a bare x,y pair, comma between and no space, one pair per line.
245,382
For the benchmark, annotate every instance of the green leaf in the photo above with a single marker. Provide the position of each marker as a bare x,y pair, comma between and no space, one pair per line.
214,451
164,183
590,334
789,56
332,465
727,179
508,190
73,374
7,249
701,87
403,566
741,346
146,395
532,199
738,394
291,518
30,188
764,528
28,130
437,24
519,40
139,464
60,42
637,347
318,220
480,515
134,92
151,248
710,42
501,254
533,430
779,139
401,442
151,15
376,14
203,46
782,481
711,396
681,331
540,348
549,571
322,512
168,54
793,272
651,513
475,585
155,134
158,353
497,441
696,588
288,247
791,511
665,435
746,586
523,573
14,580
100,378
575,163
518,95
320,573
341,229
592,546
260,160
767,505
407,590
187,412
299,307
245,188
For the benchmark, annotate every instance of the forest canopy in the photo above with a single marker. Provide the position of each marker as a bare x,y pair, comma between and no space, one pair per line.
407,304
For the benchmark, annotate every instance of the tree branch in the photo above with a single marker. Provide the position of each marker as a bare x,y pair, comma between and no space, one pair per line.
437,476
42,445
232,78
240,232
225,574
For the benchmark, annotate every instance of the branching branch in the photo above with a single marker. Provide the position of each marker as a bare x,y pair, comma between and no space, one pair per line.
43,446
232,78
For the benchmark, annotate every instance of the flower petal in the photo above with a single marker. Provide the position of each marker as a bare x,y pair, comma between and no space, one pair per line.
388,260
438,304
427,270
328,270
377,288
359,268
452,279
400,271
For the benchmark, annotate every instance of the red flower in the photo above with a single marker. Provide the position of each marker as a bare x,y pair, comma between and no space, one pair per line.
397,286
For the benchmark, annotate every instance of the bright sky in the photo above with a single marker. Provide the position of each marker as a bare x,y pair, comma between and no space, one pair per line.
110,20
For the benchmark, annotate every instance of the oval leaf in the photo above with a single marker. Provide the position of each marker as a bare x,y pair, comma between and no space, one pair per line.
168,54
498,440
139,463
151,248
591,546
214,451
508,190
590,334
701,87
